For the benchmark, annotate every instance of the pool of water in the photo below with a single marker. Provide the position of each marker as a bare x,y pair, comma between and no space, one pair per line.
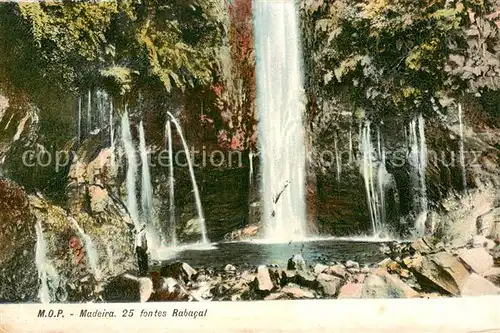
251,254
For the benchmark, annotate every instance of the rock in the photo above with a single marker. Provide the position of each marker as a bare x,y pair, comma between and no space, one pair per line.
247,276
263,281
381,284
145,289
230,268
359,278
478,286
300,278
493,275
482,242
329,283
180,271
99,199
17,245
169,290
351,264
422,245
273,297
350,290
496,255
478,259
337,270
390,265
296,292
123,288
441,270
296,263
319,268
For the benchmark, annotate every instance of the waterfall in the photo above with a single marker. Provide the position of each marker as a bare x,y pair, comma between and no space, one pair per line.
250,173
79,123
89,112
111,129
197,198
147,191
131,169
90,250
280,105
462,153
376,178
418,164
171,192
338,162
41,264
350,145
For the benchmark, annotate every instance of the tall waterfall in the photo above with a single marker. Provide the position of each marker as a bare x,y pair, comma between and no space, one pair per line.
338,161
199,209
90,250
41,264
418,164
131,179
462,153
376,178
171,180
280,105
147,191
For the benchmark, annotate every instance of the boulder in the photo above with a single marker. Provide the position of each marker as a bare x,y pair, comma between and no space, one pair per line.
180,271
296,263
319,268
476,285
145,288
422,245
381,284
350,290
300,278
442,271
477,259
351,265
329,283
296,292
169,290
229,268
480,241
121,289
262,282
496,255
337,270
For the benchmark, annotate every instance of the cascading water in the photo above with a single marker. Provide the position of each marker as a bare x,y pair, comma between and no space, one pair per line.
89,112
42,265
131,178
280,105
153,231
462,153
111,127
338,162
171,180
90,250
418,164
351,155
79,122
376,178
197,198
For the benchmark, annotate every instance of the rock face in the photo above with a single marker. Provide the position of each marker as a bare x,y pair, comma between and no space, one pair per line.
18,272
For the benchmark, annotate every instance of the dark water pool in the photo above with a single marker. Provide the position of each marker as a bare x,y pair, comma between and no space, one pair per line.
250,254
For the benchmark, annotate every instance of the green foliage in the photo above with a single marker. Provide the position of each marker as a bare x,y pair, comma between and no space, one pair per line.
127,44
398,55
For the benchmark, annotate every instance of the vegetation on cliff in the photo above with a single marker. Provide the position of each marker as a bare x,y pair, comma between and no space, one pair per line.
393,57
